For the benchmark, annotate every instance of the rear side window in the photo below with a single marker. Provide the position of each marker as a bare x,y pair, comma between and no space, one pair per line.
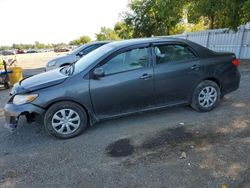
126,61
172,53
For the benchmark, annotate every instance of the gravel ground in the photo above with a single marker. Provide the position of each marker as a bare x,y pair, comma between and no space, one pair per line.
137,151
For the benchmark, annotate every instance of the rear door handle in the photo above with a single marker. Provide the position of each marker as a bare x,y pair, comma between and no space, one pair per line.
195,67
146,76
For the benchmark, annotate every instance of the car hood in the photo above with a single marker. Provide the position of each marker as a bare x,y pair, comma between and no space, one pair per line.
40,81
65,59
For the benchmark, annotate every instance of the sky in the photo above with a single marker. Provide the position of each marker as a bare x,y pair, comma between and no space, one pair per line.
54,21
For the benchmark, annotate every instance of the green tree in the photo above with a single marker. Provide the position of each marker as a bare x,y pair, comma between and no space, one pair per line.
21,46
107,34
58,45
153,17
123,30
18,46
5,47
237,12
82,40
245,9
220,13
39,45
209,10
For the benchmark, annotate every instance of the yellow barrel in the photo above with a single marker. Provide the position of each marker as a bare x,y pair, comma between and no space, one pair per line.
16,75
1,64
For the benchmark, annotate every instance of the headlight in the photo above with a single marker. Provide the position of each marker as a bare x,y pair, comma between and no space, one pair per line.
23,99
52,63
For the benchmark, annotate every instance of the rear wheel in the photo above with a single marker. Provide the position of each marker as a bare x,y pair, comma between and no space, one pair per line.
206,96
65,120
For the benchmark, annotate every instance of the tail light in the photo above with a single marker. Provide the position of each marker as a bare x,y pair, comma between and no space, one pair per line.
236,62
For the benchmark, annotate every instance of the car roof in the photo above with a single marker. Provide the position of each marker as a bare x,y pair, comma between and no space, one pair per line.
126,43
99,42
137,41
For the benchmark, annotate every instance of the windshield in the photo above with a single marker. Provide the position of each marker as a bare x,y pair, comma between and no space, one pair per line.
90,58
77,49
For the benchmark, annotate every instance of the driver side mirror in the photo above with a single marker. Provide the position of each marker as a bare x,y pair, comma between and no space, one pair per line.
99,72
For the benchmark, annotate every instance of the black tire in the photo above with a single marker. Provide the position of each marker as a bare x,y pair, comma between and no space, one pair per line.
6,85
195,98
62,106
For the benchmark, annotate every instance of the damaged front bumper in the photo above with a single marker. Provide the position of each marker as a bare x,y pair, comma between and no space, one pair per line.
12,113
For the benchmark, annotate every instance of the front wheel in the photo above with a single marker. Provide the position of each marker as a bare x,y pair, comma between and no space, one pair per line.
6,85
65,120
206,96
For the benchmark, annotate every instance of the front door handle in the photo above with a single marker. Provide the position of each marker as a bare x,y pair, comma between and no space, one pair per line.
146,76
195,67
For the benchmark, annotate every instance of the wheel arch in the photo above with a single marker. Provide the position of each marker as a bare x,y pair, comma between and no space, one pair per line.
64,64
90,115
216,80
213,79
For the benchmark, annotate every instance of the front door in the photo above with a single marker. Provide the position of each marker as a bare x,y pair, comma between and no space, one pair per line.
127,85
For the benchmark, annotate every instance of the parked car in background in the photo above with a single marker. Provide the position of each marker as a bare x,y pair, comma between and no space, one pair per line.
75,55
8,52
61,50
123,78
46,50
32,51
20,52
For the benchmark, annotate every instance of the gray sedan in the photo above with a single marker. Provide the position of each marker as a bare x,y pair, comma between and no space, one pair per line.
75,55
123,78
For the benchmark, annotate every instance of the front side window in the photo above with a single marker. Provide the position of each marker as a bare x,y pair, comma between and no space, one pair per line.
172,53
126,61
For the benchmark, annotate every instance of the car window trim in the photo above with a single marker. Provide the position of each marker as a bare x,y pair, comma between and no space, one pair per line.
122,50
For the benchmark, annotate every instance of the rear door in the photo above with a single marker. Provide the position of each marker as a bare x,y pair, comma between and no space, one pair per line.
177,70
127,85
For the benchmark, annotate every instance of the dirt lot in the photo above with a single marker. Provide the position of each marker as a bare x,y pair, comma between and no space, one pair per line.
137,151
36,60
34,63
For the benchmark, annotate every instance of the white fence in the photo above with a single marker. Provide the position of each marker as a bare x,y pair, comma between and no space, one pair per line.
222,40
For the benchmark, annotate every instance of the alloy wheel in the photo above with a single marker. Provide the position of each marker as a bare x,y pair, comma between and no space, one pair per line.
208,96
66,121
